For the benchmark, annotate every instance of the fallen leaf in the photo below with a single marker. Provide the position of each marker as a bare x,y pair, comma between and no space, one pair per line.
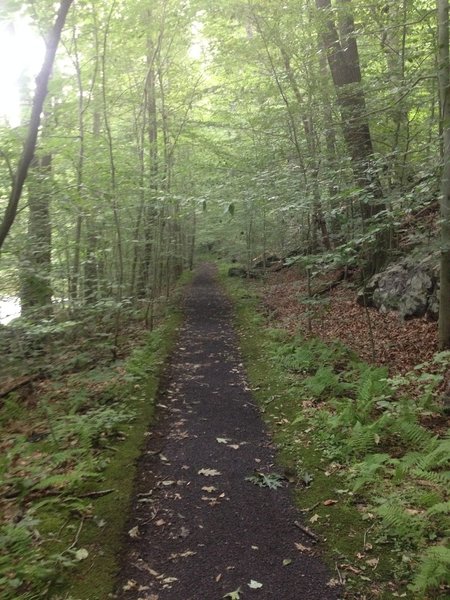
160,523
287,561
314,518
373,562
254,585
81,554
209,488
330,502
302,548
130,584
209,472
134,532
236,595
223,440
234,446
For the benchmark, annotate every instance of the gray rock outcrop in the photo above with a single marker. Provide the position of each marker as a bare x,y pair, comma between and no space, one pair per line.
409,287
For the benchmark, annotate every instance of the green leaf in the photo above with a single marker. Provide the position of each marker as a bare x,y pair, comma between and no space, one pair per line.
270,480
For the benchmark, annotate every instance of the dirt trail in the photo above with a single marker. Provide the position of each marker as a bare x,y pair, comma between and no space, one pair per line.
194,534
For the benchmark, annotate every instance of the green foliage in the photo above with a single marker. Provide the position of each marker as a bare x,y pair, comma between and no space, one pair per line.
398,522
24,561
367,422
269,480
433,571
325,380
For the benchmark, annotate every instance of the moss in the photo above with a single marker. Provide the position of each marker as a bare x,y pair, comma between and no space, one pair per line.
102,536
342,527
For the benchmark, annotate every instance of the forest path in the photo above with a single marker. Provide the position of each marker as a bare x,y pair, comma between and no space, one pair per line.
198,529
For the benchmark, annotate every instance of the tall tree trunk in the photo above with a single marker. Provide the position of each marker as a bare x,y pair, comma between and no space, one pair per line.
35,288
35,120
343,60
444,86
150,212
340,44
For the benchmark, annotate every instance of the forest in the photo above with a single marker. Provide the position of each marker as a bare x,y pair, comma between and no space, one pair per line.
296,156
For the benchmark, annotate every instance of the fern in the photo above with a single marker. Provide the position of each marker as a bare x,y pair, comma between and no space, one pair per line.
439,457
434,570
440,508
368,469
398,522
438,479
324,380
412,433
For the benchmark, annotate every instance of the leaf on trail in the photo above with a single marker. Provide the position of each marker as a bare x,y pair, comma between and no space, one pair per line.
209,488
330,502
209,472
185,554
333,583
236,595
314,518
287,562
130,584
160,523
302,548
234,446
270,480
134,532
168,483
81,554
170,580
223,440
254,585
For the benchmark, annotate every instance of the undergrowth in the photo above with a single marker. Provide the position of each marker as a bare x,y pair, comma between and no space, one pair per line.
372,435
66,473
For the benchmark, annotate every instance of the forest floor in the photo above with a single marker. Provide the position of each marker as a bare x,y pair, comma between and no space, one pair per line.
379,338
199,527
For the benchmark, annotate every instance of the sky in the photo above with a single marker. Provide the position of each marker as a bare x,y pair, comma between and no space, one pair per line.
21,52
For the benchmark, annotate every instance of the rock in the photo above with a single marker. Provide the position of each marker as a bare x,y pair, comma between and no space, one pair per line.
408,287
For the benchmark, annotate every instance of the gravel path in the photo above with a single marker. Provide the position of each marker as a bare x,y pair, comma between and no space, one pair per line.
198,530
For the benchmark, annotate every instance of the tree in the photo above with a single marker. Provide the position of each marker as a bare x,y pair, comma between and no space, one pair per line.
35,120
444,86
35,272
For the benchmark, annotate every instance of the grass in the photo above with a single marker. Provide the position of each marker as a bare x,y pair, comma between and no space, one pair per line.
303,389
